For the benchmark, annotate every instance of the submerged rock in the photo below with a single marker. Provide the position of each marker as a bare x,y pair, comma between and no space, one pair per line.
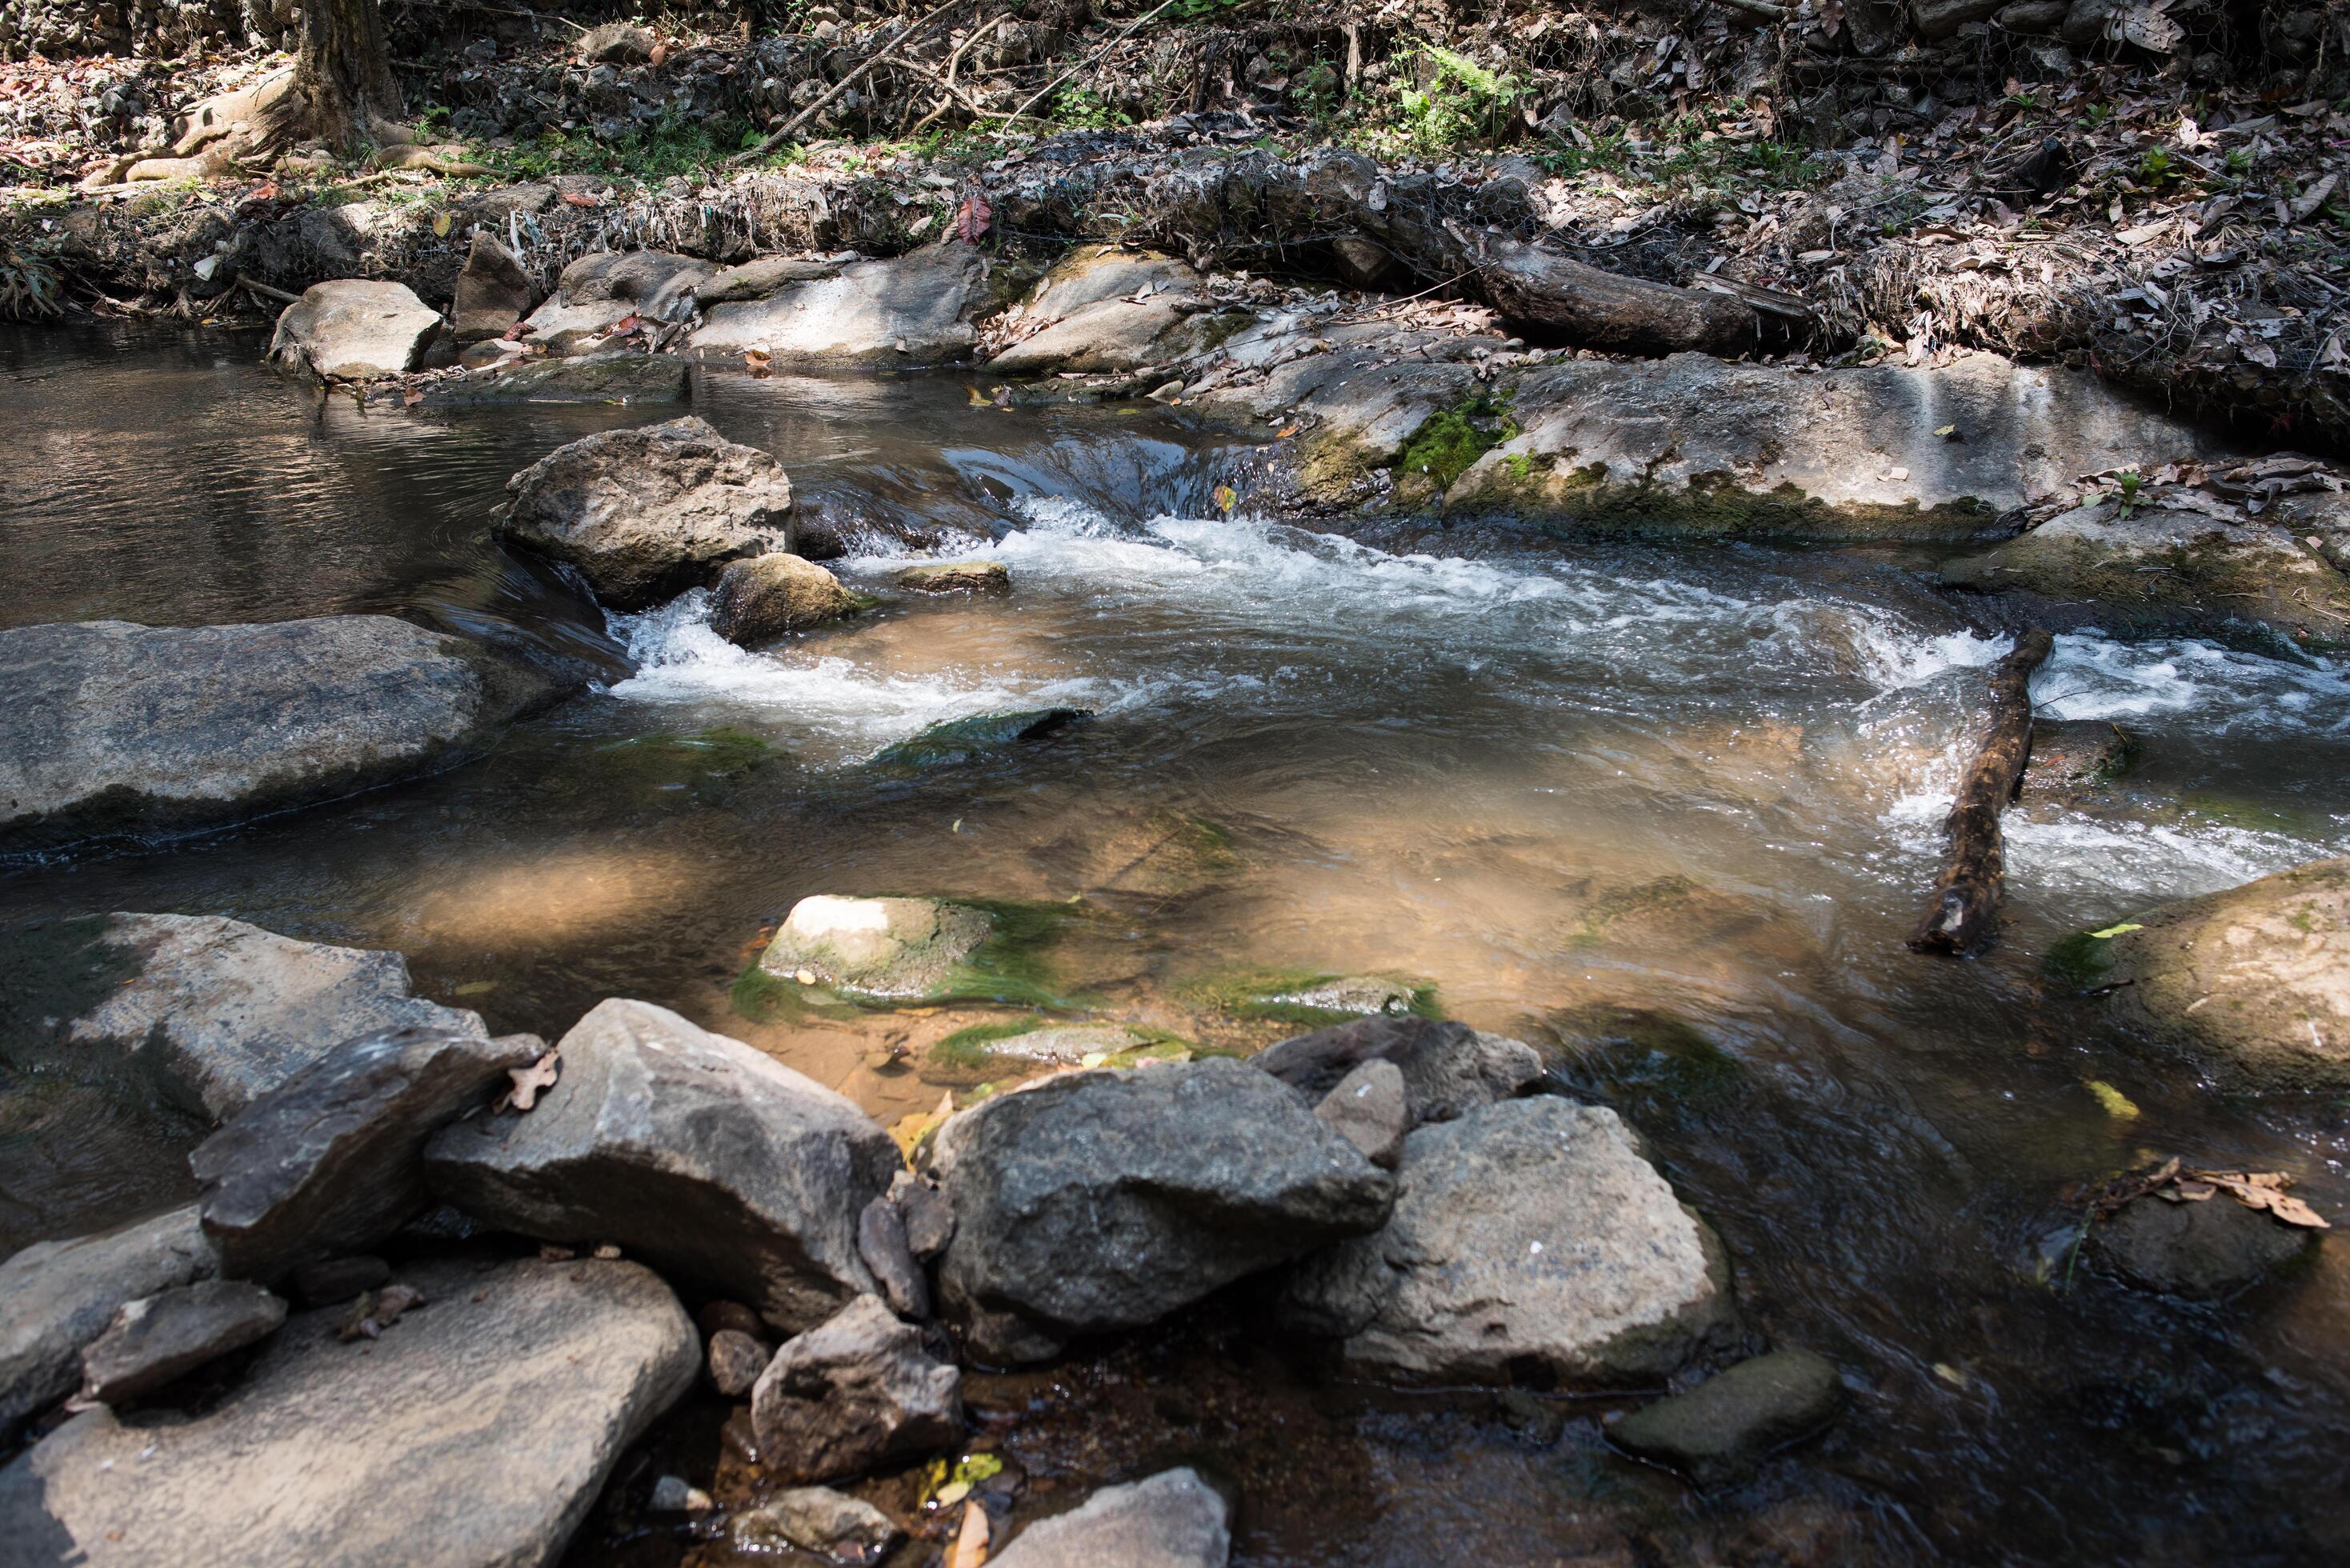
1174,1520
761,599
957,578
160,1338
1104,1200
1448,1069
616,378
819,1520
711,1160
851,1394
968,740
2253,982
646,514
331,1160
877,947
1531,1239
122,728
1719,1429
55,1297
2201,1250
918,307
350,330
211,1011
477,1430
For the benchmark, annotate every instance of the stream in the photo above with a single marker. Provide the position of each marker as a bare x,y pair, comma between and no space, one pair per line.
1667,814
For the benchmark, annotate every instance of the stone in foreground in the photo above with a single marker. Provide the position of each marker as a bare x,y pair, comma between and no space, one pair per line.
1104,1200
55,1297
956,578
350,330
1174,1520
477,1430
137,729
1719,1429
707,1159
646,514
760,599
1449,1069
2253,982
158,1339
819,1520
844,1398
2202,1252
331,1160
875,947
1531,1236
212,1010
736,1359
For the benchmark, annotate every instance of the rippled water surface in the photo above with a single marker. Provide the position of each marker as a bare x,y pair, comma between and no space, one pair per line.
1667,814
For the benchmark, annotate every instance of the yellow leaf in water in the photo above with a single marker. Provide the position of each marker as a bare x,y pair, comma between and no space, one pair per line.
442,221
1949,1375
2110,932
2118,1104
912,1128
1226,496
971,1541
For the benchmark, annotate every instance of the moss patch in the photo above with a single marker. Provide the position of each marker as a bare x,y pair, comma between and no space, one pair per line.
1294,996
967,1049
1013,965
2083,959
981,735
1448,442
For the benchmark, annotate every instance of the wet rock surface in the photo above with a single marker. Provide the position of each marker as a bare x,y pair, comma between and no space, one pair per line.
355,330
1719,1430
956,578
55,1297
331,1160
708,1159
1173,1519
646,514
1529,1237
476,1430
819,1520
618,376
1448,1069
2202,1252
2253,982
159,1338
1104,1200
120,728
760,599
877,947
212,1011
851,1394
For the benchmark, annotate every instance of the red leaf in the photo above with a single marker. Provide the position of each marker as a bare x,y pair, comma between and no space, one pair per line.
972,218
575,198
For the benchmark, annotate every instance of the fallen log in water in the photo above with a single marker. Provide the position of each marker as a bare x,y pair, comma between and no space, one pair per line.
1966,899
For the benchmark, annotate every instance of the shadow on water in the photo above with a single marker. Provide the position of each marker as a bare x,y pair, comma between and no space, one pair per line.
1664,815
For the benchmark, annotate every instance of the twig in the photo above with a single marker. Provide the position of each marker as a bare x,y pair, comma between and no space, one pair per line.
267,292
1096,58
1762,8
785,131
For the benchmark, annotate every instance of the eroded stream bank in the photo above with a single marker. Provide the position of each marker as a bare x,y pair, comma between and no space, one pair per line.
1665,813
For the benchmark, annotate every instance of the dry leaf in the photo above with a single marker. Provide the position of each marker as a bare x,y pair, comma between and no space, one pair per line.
970,1549
574,198
972,218
912,1128
528,1080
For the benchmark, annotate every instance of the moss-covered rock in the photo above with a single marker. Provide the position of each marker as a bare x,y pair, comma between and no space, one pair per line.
893,951
1311,997
980,735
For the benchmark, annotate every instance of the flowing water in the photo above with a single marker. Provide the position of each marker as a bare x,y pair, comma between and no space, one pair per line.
1667,814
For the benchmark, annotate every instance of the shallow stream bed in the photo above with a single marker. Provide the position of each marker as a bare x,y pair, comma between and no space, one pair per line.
1666,814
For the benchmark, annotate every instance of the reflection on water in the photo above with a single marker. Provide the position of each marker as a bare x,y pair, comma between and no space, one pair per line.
1667,814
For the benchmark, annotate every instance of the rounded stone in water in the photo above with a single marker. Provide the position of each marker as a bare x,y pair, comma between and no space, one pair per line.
879,947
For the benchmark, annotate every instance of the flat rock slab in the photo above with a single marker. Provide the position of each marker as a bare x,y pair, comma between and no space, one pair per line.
331,1161
350,330
1174,1520
476,1431
58,1296
819,1520
2253,982
875,947
583,379
711,1160
157,1339
134,729
1719,1429
1529,1234
2203,1252
1103,1200
646,514
1092,274
1110,334
916,307
212,1011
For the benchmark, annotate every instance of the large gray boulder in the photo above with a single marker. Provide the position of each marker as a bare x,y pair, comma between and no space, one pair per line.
1449,1069
601,290
1529,1234
1104,1200
350,330
476,1431
711,1160
646,514
852,1394
212,1011
2253,983
58,1296
1174,1520
330,1161
121,727
915,308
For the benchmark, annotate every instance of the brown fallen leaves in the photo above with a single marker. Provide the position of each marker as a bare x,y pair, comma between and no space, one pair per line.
2175,1182
970,1549
376,1310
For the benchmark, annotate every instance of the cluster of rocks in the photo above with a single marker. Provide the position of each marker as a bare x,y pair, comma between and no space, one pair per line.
254,1367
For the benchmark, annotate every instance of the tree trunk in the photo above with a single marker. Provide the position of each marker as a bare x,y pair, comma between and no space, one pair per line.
343,73
1966,899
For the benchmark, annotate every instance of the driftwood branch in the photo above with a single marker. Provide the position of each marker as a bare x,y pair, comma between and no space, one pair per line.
1540,292
1966,899
790,128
